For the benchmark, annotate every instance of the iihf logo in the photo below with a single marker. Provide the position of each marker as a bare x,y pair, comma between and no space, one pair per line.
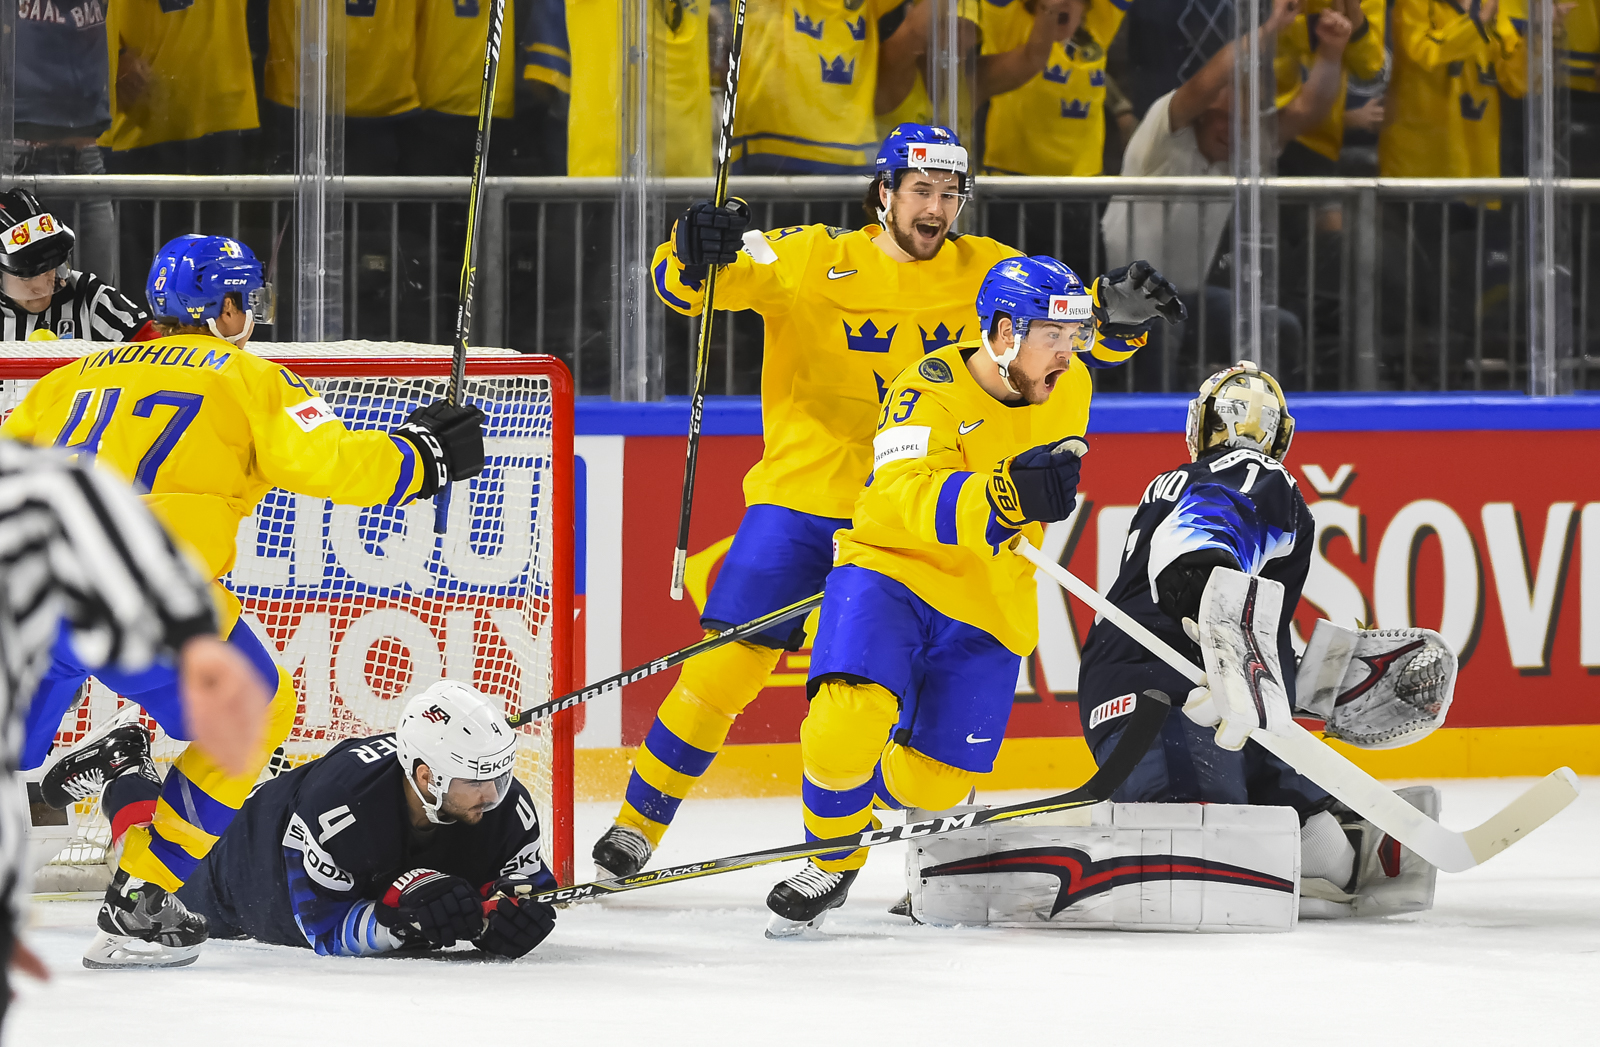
940,337
803,24
868,340
838,72
435,714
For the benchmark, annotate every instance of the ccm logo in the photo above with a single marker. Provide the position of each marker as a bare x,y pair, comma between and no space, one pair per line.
1111,710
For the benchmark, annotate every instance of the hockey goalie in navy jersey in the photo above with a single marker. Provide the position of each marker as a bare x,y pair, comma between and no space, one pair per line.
412,841
1236,506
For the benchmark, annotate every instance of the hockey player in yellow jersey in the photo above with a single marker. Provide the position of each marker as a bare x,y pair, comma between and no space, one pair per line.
928,611
845,311
204,429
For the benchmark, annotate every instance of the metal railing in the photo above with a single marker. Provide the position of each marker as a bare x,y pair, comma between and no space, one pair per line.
1409,284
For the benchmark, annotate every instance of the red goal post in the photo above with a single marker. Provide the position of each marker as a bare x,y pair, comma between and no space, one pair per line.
366,605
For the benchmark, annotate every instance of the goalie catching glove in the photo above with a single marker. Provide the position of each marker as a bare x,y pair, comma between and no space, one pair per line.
1128,298
1039,485
1238,636
449,443
425,905
514,924
1376,688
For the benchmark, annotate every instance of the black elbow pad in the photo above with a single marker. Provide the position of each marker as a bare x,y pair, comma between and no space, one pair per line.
1181,582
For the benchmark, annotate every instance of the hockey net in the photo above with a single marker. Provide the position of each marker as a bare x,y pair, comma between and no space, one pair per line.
366,606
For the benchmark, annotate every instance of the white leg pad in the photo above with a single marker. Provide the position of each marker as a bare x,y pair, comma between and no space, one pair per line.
1131,867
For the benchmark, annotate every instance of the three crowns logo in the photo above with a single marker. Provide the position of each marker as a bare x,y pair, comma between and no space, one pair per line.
868,340
803,24
940,337
1057,75
1469,111
1075,110
838,72
858,28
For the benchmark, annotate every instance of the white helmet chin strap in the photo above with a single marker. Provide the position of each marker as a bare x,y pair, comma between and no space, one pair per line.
238,339
431,807
1005,360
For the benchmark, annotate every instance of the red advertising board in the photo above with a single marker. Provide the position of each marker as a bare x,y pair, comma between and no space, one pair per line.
1493,538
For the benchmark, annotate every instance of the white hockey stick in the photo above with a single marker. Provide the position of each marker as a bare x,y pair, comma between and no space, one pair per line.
1300,749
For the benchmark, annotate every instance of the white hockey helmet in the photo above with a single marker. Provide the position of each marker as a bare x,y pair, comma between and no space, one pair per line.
462,738
1240,406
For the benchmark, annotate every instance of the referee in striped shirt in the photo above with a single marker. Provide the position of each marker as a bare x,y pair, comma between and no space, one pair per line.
41,296
79,551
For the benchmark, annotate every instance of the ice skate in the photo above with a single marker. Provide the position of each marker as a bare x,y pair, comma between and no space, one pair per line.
142,925
621,851
122,746
801,902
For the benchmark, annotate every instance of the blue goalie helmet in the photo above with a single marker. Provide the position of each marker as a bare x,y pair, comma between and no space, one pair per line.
922,147
1029,289
192,275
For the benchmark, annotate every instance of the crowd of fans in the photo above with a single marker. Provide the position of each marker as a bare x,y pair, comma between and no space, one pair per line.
1048,87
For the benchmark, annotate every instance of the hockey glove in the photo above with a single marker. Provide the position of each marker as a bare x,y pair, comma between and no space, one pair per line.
1180,584
430,906
711,235
1040,484
449,441
1129,298
514,924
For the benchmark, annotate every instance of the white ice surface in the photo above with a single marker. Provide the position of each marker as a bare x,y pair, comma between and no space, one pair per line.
1510,955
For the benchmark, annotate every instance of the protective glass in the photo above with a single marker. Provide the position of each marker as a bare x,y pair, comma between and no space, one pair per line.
468,793
263,304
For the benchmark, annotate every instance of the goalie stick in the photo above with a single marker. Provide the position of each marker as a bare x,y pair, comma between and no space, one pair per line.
702,366
665,662
469,251
1149,713
1368,797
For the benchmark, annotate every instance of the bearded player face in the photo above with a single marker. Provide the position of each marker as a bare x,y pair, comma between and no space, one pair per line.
920,212
1044,358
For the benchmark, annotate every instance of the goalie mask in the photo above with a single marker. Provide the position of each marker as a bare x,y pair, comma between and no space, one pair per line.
1241,406
465,742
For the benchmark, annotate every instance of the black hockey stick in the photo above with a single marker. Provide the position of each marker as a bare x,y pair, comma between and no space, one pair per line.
702,367
665,662
469,253
1149,713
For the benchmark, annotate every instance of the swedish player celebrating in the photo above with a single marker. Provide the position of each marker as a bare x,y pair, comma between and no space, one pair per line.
205,429
928,612
845,311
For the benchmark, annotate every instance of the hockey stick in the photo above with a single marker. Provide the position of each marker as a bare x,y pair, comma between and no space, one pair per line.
665,662
1149,713
469,253
1300,749
702,366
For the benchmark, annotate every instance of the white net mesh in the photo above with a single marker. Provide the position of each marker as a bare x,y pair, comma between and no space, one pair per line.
366,606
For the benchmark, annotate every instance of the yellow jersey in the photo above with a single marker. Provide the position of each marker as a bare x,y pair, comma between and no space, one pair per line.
1581,47
1055,124
807,82
842,319
680,65
450,39
1444,92
208,36
206,429
546,56
925,519
1297,51
380,65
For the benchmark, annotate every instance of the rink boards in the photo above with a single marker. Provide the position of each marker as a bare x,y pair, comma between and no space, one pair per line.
1477,515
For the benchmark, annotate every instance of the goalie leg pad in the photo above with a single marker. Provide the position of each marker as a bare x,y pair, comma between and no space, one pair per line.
1141,867
1238,626
1376,688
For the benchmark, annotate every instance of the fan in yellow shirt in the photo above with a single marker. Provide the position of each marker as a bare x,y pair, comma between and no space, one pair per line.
928,611
1293,60
205,429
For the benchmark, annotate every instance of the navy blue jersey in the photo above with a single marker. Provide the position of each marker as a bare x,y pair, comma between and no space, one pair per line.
1240,501
312,850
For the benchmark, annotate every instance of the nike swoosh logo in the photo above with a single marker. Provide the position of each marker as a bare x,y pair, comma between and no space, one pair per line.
833,274
974,741
966,427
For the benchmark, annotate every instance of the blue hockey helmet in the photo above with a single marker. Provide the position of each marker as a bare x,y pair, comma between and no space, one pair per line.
1029,289
193,274
922,147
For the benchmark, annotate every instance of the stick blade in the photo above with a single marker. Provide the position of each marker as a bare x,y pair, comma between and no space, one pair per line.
1549,797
